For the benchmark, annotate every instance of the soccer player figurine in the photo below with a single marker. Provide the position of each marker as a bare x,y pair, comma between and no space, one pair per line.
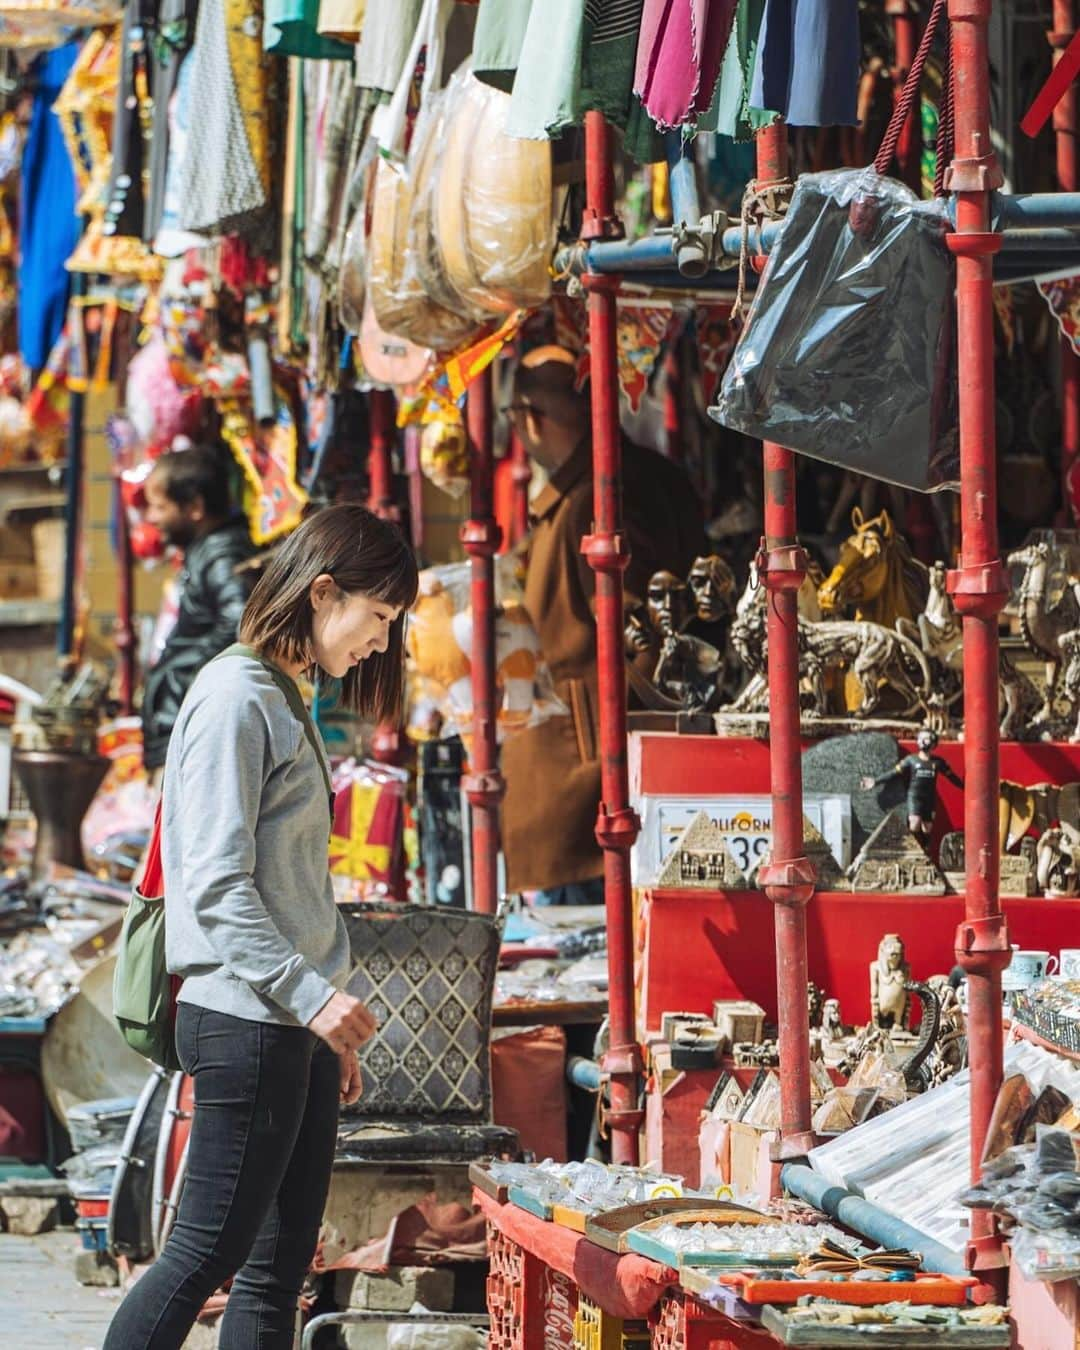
919,772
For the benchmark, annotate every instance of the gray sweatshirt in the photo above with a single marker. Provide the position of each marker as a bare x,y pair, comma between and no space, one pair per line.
250,919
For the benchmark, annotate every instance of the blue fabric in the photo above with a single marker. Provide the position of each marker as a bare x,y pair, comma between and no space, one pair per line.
576,893
820,88
49,227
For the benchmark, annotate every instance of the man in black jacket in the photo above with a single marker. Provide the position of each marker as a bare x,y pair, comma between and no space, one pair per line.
187,499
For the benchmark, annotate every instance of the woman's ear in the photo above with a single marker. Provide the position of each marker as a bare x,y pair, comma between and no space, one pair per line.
323,589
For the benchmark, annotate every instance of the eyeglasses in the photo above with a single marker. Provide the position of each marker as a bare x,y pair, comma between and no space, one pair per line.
519,409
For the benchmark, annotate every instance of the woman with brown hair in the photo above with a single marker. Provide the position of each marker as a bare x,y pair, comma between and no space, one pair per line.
253,931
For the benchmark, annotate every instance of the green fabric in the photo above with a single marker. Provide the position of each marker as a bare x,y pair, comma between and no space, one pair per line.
576,57
730,113
291,28
142,1003
498,39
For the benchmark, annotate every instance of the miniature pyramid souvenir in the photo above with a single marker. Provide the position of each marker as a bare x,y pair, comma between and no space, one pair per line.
830,877
701,859
829,874
892,860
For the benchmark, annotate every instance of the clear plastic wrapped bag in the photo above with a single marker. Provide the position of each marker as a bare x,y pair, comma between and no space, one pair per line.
352,278
444,453
848,353
440,667
423,260
401,305
491,211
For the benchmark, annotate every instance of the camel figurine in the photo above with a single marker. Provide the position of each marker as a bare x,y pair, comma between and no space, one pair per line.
1044,621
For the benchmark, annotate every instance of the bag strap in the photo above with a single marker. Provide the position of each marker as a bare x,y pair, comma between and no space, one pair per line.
292,698
906,101
151,885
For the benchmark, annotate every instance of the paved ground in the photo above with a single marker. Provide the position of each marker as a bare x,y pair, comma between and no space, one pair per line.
42,1306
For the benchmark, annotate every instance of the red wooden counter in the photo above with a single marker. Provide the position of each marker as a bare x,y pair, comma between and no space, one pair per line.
698,946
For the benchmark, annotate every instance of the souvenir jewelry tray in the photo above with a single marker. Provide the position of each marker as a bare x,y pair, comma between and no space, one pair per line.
1052,1010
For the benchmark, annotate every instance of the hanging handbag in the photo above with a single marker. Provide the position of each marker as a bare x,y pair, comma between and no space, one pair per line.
848,353
144,993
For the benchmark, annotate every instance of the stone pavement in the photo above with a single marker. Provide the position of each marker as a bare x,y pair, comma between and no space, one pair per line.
42,1305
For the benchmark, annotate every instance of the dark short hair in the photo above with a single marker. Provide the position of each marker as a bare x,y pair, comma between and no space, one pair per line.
365,555
201,471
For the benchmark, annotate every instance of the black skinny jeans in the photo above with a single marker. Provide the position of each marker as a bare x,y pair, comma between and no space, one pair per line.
259,1162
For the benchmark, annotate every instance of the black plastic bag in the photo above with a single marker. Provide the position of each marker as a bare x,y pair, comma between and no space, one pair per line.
848,353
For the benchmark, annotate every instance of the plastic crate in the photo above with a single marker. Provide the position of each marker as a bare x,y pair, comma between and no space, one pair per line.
681,1323
514,1295
595,1329
93,1234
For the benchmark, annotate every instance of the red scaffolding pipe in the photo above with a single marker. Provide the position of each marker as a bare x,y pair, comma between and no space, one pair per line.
978,584
481,536
1065,132
607,554
788,878
387,743
381,421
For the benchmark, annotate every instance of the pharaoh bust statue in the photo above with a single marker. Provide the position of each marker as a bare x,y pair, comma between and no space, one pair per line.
889,976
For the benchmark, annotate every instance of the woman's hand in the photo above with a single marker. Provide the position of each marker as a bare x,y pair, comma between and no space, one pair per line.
352,1083
343,1023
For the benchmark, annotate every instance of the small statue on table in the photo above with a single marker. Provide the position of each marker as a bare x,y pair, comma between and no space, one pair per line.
889,975
920,772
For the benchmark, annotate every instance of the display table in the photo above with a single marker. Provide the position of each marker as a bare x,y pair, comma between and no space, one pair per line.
545,1279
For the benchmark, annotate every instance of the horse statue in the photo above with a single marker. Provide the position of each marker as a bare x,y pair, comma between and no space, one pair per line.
1045,617
875,574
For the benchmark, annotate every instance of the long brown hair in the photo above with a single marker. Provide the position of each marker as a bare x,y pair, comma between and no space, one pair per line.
364,555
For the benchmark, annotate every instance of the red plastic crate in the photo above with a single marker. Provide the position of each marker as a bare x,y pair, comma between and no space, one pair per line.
531,1306
681,1323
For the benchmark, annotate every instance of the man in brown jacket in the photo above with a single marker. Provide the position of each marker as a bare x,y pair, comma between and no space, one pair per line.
552,771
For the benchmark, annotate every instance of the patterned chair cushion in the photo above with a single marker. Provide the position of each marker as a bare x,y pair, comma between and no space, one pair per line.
427,975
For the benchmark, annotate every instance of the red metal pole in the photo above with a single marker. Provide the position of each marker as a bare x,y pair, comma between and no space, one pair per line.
788,878
123,629
978,584
1065,131
381,416
481,536
607,554
906,41
521,477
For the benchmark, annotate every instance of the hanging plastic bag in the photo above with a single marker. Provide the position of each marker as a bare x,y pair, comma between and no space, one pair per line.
492,218
848,350
439,638
424,264
397,296
444,453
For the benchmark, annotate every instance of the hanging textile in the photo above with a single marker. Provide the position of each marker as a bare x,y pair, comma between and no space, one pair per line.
291,28
497,41
808,62
48,23
385,39
577,56
171,241
274,501
225,179
342,19
715,341
1062,295
640,329
679,55
730,113
334,136
171,42
49,227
